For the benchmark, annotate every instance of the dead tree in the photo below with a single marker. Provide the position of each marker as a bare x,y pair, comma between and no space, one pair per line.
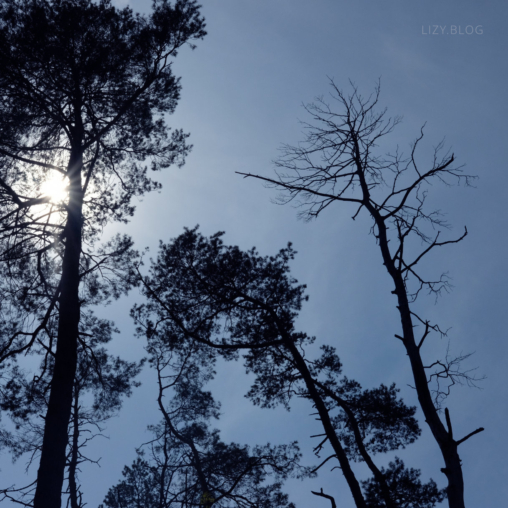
340,161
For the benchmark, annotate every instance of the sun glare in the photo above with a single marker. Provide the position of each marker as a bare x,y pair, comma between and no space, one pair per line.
56,188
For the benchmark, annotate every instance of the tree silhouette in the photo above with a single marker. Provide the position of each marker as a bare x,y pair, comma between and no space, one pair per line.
100,384
186,463
168,478
84,88
408,488
230,301
340,161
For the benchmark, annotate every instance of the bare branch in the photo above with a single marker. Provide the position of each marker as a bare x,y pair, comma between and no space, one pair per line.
471,434
322,494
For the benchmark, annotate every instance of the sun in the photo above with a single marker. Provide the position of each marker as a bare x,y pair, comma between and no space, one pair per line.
56,188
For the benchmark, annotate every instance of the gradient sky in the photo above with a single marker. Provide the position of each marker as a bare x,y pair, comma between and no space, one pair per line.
243,89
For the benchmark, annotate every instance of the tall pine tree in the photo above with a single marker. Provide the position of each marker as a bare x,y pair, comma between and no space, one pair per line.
85,88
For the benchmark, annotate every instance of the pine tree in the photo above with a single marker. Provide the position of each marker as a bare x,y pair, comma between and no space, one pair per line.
85,92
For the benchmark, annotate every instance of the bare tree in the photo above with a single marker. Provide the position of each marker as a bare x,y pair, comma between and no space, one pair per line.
340,161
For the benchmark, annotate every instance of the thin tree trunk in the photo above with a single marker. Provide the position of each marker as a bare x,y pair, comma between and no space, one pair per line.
448,446
444,438
73,463
206,496
327,424
322,410
378,475
162,479
50,476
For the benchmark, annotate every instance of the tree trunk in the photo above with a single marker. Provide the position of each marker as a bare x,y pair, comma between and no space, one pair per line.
327,424
444,438
378,475
53,457
73,463
207,496
162,478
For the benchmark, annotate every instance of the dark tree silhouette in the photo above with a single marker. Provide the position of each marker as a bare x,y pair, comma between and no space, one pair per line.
84,88
101,381
168,478
186,463
340,161
410,493
231,301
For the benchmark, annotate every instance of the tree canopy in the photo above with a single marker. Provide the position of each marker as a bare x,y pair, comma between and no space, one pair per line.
85,91
230,301
186,463
340,161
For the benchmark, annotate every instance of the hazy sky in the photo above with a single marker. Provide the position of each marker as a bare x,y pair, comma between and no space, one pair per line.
243,89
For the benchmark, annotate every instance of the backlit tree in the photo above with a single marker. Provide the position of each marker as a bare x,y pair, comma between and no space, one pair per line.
85,89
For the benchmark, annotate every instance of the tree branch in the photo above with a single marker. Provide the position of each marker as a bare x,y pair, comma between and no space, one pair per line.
322,494
477,431
31,161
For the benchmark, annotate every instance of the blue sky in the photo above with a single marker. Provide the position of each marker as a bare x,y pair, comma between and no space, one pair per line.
243,89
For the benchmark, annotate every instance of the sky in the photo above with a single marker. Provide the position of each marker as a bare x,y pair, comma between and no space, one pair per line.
242,94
